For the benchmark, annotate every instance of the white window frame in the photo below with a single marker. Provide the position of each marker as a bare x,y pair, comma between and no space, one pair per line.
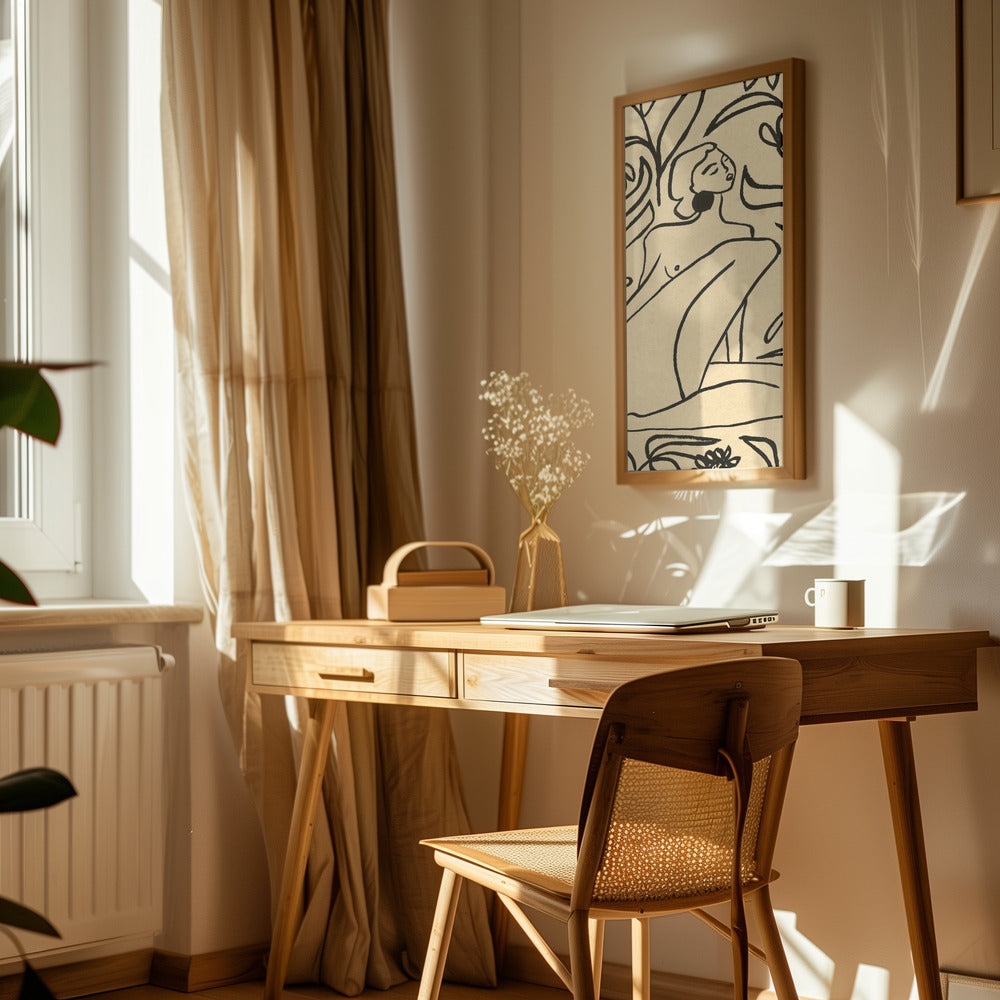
49,546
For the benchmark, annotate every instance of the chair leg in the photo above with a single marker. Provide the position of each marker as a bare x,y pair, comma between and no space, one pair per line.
580,964
741,959
597,951
640,959
437,947
777,962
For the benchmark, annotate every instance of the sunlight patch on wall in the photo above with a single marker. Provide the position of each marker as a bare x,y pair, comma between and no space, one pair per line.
925,521
987,224
727,570
721,555
871,983
866,476
657,550
811,968
731,571
654,527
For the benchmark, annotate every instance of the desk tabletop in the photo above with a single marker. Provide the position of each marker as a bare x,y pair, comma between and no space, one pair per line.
798,641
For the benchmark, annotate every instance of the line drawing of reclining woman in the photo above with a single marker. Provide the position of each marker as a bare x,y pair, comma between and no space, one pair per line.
694,288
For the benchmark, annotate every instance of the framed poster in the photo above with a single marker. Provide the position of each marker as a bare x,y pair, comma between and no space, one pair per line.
977,50
709,275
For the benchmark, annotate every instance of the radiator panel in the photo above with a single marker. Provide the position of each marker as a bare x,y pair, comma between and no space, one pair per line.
93,865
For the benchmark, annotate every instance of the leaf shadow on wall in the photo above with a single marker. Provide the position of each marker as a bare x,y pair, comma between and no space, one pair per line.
671,559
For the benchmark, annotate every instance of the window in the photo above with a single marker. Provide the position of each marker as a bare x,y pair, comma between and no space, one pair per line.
44,281
94,516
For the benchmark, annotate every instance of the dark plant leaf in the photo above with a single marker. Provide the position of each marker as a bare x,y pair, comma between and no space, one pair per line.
15,915
32,987
12,587
34,788
27,402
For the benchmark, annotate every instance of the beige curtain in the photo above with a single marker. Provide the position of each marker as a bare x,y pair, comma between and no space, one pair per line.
299,457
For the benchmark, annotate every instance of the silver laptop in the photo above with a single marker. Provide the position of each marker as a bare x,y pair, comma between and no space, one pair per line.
657,618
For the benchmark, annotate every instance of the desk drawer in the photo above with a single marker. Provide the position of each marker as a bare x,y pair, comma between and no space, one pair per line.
428,673
580,682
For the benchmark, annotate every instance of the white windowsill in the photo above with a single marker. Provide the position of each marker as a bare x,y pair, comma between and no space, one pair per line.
76,614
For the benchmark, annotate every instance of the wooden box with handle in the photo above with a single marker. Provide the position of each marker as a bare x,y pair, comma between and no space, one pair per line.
436,595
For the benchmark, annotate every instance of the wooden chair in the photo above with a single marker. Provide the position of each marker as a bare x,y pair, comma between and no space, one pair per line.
680,810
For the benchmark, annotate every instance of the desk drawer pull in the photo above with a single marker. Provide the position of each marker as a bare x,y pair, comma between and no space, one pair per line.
348,674
581,684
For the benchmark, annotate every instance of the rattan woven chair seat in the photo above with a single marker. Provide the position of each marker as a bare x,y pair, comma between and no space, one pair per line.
544,857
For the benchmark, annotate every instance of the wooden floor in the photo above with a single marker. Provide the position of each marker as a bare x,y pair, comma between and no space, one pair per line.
408,991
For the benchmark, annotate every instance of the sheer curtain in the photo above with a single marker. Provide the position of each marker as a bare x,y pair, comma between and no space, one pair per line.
299,454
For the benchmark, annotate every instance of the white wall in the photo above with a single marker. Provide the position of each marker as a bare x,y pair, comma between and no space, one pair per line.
504,126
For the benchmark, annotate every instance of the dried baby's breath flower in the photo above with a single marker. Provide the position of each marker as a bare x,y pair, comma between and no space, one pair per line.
529,438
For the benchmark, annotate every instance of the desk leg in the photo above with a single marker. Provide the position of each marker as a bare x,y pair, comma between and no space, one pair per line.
901,779
515,745
315,746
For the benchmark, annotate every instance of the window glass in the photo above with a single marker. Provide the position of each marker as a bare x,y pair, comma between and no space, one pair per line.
45,266
13,453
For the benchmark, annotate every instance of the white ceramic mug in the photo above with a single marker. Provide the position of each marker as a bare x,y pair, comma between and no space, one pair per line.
838,603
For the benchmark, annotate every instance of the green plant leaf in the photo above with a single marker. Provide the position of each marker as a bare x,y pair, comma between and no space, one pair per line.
34,788
12,587
15,915
27,402
32,987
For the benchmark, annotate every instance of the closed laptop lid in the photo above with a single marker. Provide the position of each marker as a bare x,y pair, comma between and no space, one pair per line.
635,618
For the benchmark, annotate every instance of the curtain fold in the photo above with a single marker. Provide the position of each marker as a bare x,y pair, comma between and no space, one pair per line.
298,435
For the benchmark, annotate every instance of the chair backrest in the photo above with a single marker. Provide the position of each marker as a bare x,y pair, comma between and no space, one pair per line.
686,776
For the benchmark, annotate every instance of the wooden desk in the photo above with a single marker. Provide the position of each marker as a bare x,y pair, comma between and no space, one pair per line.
889,675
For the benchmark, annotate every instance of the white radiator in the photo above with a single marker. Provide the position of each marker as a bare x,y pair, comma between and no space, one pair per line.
92,865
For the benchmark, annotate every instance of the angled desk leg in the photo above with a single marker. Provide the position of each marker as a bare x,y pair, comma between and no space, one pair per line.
901,779
319,729
515,745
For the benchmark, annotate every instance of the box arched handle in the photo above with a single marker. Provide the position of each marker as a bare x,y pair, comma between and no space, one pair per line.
393,563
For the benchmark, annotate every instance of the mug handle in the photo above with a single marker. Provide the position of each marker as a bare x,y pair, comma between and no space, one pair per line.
812,591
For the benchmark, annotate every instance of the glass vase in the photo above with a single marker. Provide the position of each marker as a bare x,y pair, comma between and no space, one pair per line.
539,581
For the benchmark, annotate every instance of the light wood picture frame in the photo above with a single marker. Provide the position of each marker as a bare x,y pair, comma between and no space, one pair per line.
977,91
710,279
